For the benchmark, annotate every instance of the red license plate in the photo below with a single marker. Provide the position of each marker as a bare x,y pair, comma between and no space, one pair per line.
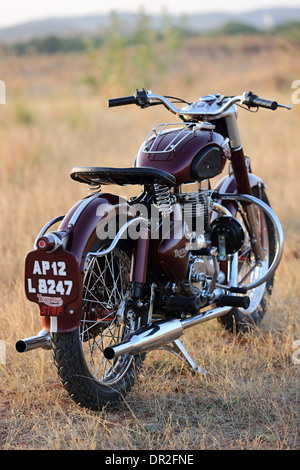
52,280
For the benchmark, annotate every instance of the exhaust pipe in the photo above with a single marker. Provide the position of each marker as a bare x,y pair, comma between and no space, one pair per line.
146,338
42,340
159,334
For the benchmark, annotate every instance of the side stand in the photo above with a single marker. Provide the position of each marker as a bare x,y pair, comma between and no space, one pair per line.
177,348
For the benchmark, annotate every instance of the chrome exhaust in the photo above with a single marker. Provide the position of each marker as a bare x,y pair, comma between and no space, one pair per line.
147,338
42,340
159,334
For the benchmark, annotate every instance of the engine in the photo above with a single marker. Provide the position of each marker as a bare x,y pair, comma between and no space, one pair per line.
209,242
195,211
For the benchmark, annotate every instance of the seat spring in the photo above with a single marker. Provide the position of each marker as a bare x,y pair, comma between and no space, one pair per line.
94,188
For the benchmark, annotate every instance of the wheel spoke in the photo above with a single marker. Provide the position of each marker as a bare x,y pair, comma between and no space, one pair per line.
104,288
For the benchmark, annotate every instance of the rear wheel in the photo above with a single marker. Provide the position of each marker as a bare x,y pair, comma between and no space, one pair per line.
241,320
91,380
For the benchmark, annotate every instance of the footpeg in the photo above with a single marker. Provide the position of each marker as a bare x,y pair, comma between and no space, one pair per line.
234,301
191,304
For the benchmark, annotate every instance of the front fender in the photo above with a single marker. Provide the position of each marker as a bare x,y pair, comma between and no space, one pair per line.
228,185
54,279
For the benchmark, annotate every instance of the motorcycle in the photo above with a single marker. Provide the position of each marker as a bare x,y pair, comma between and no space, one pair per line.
120,278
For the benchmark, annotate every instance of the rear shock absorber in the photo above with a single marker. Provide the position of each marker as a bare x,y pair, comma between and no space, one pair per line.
163,199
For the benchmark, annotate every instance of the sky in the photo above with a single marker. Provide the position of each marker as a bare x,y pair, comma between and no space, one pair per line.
18,11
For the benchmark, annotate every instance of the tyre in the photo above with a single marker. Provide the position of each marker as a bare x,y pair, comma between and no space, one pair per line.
90,379
240,320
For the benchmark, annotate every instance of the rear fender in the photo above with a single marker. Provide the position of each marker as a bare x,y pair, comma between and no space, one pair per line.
54,278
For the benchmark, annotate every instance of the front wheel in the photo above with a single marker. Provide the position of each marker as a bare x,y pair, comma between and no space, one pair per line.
90,379
240,320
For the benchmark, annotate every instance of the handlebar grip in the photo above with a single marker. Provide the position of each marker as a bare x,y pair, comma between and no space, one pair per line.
254,101
121,101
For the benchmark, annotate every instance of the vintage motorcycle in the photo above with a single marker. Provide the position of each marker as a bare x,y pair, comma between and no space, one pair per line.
120,278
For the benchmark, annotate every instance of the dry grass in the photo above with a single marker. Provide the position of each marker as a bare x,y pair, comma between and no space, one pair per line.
52,122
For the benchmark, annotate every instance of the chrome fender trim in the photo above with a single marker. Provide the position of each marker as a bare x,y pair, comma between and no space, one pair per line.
46,227
123,229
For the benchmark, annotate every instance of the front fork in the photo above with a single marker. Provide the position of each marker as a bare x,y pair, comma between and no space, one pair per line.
241,176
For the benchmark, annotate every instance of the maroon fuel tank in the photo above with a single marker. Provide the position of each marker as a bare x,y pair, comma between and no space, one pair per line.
188,154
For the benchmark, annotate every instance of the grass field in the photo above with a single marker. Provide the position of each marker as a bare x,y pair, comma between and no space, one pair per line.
54,120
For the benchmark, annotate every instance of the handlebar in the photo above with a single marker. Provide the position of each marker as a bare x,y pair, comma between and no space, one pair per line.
121,101
213,106
141,98
253,101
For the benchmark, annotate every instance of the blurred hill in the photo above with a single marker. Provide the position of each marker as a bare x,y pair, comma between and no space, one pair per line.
263,20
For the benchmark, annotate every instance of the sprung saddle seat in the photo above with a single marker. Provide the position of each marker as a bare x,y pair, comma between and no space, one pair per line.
122,176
